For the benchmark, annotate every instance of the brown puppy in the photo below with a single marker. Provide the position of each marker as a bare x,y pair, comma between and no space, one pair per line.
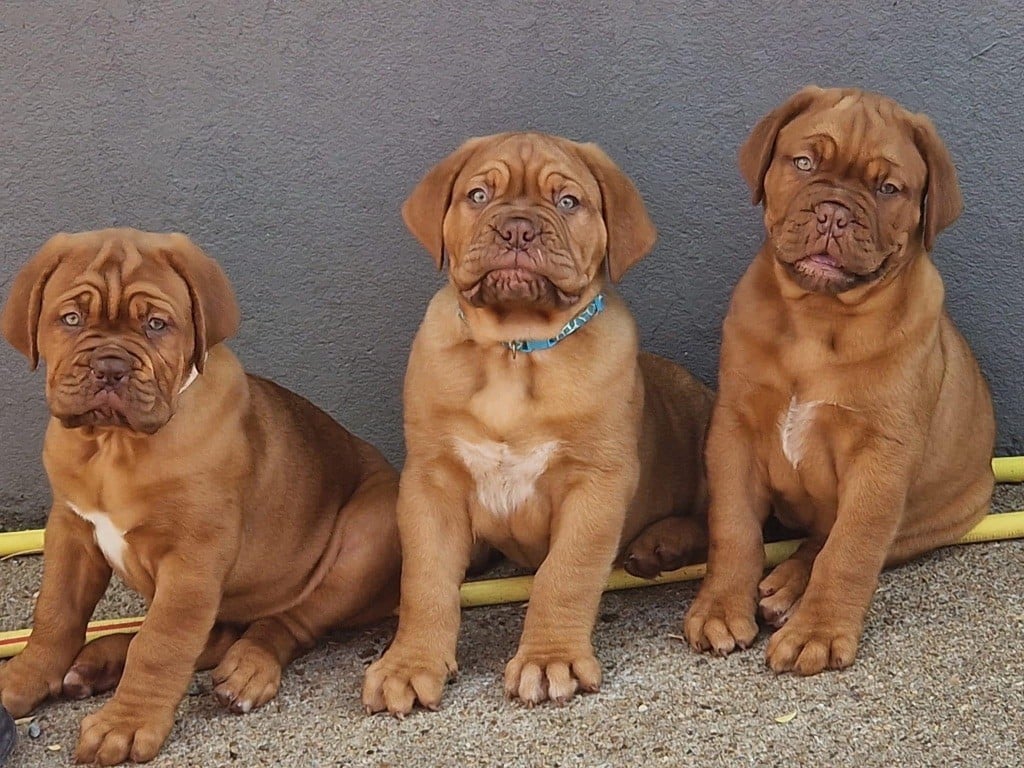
249,520
557,457
848,402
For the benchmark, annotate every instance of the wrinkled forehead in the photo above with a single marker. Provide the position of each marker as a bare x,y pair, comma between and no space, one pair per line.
859,129
525,163
113,275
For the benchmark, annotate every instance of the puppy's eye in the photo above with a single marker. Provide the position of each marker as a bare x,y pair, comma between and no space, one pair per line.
478,195
71,319
803,163
155,324
888,189
568,202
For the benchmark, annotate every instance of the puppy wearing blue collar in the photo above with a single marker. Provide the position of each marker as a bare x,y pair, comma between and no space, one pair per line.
533,423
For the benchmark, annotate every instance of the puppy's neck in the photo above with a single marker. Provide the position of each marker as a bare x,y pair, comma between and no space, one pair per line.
887,313
492,326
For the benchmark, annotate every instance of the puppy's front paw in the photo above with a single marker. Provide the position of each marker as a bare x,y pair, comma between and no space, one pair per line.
118,732
720,622
807,645
534,676
401,677
23,687
247,677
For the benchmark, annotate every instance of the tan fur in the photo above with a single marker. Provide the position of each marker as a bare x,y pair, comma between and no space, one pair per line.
250,521
595,442
858,415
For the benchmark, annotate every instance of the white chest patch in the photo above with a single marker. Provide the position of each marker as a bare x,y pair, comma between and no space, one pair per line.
504,478
110,540
793,426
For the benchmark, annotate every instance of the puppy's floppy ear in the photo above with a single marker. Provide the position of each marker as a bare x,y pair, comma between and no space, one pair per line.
20,319
757,151
215,314
424,209
942,201
631,233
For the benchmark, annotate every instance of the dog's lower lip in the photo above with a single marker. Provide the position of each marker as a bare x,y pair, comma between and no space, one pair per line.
513,272
824,260
821,265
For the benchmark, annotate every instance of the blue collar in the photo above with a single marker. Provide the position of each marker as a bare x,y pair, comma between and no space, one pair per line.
594,308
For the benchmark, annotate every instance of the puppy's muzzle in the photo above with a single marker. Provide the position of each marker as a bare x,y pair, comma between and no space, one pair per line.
110,369
833,218
518,231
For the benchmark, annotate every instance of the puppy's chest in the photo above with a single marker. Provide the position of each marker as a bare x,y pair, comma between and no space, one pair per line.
504,477
109,538
808,439
796,427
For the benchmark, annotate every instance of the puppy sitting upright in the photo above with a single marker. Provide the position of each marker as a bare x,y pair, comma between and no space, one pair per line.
532,423
249,520
848,403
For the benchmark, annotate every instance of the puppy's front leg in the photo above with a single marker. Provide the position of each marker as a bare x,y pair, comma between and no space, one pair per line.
825,628
75,576
436,545
722,615
556,656
161,658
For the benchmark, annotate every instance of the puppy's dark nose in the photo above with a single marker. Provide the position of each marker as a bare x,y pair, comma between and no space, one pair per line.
832,217
518,232
110,370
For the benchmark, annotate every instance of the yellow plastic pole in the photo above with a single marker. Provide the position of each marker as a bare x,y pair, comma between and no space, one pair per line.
516,589
13,643
21,543
1007,469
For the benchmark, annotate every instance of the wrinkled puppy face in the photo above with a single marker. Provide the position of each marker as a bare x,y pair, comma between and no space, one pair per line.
117,316
525,227
845,185
527,220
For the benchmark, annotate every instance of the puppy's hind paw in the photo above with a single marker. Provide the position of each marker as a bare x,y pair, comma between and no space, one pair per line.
247,678
665,545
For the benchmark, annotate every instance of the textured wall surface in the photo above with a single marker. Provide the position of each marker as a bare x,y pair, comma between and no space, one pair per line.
284,138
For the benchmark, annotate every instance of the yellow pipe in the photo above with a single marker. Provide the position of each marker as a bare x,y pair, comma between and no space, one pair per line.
21,543
1007,469
12,643
516,589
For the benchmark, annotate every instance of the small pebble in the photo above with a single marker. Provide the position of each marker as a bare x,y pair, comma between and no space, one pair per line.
642,708
34,731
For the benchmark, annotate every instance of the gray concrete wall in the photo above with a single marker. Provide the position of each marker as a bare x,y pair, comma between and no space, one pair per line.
283,139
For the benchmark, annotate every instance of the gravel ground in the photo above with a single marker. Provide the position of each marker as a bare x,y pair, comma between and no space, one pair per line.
939,680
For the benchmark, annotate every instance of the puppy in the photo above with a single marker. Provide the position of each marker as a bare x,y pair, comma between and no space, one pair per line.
849,404
532,422
249,520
